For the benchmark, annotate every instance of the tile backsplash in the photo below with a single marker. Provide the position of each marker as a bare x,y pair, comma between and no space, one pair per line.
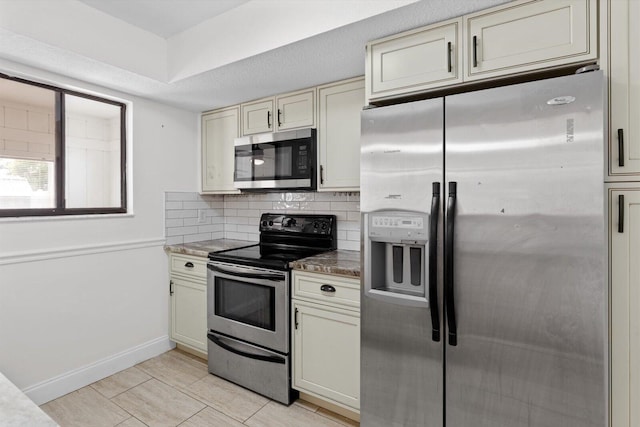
191,217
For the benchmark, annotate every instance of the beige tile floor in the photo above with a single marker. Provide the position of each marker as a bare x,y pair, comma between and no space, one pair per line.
176,389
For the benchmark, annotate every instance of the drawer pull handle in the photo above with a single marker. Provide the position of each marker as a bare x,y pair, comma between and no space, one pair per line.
327,288
188,264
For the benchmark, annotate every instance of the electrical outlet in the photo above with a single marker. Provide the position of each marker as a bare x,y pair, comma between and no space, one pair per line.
202,216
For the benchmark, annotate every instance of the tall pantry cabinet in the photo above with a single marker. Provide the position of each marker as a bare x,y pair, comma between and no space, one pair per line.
623,192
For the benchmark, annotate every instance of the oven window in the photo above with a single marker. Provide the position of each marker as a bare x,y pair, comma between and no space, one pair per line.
246,303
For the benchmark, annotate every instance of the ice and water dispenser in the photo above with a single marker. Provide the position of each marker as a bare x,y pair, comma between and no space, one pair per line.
396,255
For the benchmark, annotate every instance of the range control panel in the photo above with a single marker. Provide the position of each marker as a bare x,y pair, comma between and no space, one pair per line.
304,224
398,225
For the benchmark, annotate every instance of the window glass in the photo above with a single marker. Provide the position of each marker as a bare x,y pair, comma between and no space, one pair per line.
92,153
27,146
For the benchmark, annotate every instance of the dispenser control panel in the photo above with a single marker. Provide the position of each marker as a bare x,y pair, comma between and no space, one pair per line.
398,225
404,222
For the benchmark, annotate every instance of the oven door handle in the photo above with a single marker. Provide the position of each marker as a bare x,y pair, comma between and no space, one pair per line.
263,276
219,342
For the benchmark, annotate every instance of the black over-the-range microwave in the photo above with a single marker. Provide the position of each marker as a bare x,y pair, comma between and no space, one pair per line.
276,161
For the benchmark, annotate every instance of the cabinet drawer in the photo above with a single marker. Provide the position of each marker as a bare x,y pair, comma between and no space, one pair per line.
341,290
189,266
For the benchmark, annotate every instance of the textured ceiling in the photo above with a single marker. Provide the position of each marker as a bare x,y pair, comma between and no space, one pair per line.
326,57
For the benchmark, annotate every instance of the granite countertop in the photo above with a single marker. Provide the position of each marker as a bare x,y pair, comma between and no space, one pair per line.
17,410
203,247
340,262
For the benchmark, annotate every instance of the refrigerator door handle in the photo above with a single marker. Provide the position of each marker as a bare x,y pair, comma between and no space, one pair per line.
448,262
433,263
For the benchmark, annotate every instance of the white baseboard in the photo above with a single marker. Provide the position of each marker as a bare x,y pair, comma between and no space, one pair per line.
70,381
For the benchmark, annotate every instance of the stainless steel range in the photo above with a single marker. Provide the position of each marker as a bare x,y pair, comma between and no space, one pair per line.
248,302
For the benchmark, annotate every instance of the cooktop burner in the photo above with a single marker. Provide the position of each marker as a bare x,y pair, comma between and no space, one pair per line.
284,238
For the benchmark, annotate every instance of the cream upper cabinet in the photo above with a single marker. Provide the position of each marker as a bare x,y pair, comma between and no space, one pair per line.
219,129
339,110
296,110
624,243
528,35
326,338
415,60
624,90
257,117
188,290
292,110
517,37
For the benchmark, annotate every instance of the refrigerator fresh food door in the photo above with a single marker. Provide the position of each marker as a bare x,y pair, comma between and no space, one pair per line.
401,350
529,283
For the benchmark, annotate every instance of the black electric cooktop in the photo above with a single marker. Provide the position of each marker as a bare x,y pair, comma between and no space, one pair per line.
284,238
265,257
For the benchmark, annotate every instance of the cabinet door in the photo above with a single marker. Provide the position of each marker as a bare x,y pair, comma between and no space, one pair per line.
624,234
339,135
296,110
624,48
326,346
257,117
528,35
189,313
219,129
415,60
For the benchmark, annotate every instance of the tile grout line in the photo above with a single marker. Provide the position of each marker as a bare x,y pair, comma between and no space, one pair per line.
116,403
260,409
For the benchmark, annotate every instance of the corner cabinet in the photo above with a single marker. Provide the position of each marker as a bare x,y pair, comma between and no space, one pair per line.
219,129
293,110
624,252
188,291
326,338
624,91
339,108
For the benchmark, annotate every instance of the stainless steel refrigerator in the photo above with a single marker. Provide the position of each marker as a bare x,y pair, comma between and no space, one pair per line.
484,300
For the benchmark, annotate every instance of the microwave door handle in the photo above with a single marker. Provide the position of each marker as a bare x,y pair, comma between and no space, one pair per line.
263,276
219,342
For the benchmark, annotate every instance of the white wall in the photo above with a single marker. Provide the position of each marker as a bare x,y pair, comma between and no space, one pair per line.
81,298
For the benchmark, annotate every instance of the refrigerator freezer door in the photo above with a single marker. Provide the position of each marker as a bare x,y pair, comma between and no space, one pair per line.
401,363
401,155
530,281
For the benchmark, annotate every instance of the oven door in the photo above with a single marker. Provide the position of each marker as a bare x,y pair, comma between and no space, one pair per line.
250,304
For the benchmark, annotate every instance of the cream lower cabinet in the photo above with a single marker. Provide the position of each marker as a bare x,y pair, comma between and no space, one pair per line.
624,90
188,290
624,243
326,338
339,108
219,129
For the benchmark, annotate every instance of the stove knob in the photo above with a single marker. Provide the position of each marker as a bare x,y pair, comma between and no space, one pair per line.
270,223
324,226
264,223
315,224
